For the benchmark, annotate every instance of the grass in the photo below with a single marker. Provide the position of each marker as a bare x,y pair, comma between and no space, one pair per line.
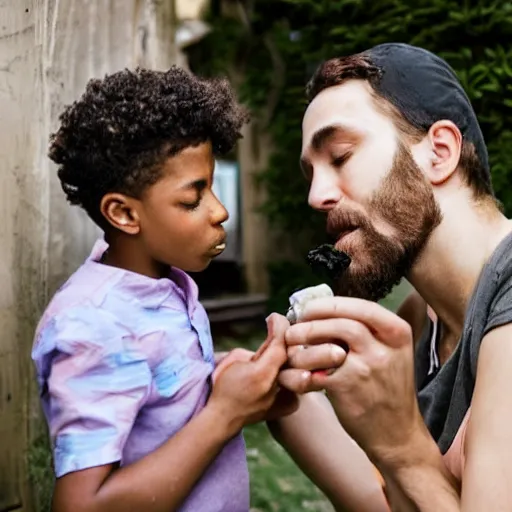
277,485
40,472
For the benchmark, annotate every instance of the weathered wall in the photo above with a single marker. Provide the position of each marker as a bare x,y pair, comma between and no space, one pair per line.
23,230
89,39
48,50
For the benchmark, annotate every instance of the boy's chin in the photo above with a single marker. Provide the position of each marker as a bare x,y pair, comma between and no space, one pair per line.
199,266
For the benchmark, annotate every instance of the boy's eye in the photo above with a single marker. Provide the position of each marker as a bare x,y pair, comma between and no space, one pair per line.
191,206
199,187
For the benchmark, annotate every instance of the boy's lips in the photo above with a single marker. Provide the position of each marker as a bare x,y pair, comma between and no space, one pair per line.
219,246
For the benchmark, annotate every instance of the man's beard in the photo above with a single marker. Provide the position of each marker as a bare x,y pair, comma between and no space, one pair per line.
406,202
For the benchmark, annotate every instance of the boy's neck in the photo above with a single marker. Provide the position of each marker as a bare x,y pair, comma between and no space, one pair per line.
127,253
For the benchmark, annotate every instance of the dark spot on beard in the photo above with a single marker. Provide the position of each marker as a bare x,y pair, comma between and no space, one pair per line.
327,262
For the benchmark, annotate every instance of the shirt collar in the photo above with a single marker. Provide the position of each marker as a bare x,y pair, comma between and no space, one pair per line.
177,289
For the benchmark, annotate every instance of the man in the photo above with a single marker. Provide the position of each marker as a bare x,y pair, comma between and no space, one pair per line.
398,163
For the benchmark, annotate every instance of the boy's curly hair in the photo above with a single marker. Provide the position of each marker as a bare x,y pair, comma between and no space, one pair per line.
118,134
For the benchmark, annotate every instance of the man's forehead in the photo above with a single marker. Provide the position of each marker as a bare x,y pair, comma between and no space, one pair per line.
348,106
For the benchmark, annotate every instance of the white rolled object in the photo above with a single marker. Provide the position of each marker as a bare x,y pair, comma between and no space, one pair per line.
299,299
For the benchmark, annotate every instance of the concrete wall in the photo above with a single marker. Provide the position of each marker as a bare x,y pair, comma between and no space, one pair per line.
48,51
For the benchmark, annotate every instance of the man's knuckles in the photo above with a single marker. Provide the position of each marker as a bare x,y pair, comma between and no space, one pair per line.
399,333
328,355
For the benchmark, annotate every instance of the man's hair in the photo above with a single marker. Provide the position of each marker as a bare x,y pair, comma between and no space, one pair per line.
360,66
116,137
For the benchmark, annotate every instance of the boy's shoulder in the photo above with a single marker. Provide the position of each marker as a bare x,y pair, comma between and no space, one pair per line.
99,302
85,289
95,285
79,311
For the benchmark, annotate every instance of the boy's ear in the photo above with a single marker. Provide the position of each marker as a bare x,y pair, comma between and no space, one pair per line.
121,212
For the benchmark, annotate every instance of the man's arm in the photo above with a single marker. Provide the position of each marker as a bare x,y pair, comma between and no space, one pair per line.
323,450
488,443
373,395
417,478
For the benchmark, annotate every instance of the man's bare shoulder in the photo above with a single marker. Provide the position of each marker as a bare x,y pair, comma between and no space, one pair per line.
414,311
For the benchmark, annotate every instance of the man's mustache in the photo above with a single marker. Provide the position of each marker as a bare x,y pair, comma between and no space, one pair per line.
340,220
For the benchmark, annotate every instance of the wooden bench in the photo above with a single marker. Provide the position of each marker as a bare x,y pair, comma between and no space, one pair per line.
238,307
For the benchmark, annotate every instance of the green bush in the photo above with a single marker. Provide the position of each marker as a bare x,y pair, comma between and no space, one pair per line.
277,44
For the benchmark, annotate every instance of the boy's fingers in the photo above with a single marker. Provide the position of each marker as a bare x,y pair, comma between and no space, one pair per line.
274,355
276,326
237,355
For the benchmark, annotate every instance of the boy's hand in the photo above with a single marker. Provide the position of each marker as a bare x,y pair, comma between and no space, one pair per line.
228,358
245,388
225,359
286,402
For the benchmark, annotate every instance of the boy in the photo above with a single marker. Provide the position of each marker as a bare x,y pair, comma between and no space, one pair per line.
123,352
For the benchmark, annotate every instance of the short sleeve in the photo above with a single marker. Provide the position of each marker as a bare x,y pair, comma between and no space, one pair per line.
93,383
500,312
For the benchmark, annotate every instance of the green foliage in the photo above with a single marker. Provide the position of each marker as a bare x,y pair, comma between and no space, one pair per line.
276,53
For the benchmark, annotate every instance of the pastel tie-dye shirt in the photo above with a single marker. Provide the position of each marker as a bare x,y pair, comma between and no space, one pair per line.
123,363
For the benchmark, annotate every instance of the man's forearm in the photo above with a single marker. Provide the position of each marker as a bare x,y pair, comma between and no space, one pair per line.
420,481
323,450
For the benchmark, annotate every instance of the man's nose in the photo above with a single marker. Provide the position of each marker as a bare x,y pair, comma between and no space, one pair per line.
324,192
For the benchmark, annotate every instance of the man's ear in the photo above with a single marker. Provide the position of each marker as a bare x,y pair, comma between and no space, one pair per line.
121,212
445,141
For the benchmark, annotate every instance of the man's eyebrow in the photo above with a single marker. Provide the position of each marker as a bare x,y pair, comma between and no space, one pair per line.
321,136
198,185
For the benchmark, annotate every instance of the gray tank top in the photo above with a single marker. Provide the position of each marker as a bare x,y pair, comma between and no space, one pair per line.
445,393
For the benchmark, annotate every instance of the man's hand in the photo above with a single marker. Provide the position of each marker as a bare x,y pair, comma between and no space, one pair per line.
372,388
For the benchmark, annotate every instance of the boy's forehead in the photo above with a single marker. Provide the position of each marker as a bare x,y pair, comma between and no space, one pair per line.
197,158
